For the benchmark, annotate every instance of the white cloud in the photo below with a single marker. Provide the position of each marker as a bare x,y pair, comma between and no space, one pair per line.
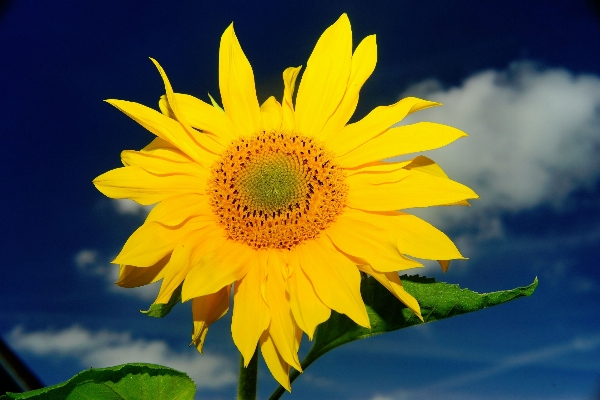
104,348
85,257
534,139
91,262
130,207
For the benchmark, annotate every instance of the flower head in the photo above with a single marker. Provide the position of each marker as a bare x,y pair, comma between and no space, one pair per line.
285,202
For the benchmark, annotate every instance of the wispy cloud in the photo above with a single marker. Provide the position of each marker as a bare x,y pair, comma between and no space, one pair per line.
535,357
130,207
91,262
105,348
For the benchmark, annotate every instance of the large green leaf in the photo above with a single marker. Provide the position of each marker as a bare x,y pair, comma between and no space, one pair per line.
160,310
438,300
123,382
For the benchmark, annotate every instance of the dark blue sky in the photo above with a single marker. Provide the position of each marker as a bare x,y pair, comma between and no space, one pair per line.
59,60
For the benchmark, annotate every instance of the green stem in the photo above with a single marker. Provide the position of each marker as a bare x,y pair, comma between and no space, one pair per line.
247,379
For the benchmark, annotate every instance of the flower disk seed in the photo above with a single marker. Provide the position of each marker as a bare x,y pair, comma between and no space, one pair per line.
276,190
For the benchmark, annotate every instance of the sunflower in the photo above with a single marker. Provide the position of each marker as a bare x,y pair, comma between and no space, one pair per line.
285,203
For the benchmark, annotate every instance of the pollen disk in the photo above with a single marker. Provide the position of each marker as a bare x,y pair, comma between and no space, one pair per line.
276,190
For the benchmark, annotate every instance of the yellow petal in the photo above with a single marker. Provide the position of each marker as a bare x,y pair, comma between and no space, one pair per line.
334,277
415,237
151,242
165,149
163,106
154,163
229,262
309,311
298,336
378,167
363,64
155,152
250,312
186,255
236,82
288,121
402,140
206,118
215,104
391,282
131,277
176,209
270,115
276,364
206,310
282,328
168,129
139,185
200,139
410,189
376,122
428,166
368,242
324,81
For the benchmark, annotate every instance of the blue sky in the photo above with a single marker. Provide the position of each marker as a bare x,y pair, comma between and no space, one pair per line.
522,78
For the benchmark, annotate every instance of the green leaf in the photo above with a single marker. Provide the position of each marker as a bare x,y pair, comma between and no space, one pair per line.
160,310
438,300
123,382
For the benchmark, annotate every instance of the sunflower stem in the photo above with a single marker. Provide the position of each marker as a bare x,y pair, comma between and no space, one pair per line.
247,378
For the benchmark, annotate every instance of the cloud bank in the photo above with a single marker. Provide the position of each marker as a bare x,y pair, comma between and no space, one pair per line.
534,138
105,348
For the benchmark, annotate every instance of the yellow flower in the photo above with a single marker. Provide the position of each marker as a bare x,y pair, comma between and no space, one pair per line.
284,201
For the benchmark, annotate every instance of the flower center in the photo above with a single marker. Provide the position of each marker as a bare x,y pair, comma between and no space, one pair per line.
276,190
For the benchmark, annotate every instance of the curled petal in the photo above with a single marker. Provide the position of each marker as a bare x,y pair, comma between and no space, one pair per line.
131,277
206,310
287,107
